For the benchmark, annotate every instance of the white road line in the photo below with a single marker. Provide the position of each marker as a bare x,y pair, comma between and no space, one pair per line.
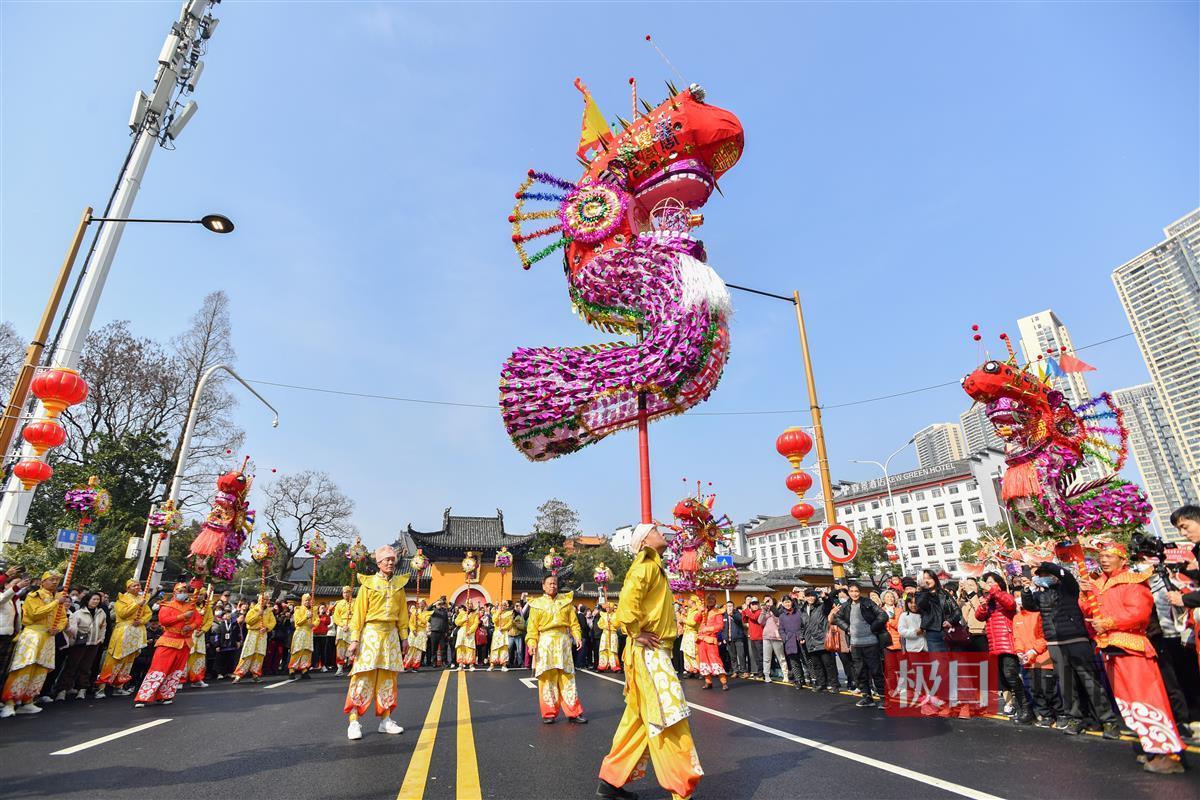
94,742
530,683
281,683
929,780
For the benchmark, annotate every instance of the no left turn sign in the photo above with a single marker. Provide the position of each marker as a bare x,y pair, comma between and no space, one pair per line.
839,543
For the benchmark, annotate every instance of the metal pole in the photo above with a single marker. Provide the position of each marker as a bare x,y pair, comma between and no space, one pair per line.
177,478
33,355
818,431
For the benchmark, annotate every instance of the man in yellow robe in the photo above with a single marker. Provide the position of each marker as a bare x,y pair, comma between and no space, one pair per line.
656,710
43,615
260,621
197,662
502,623
128,639
551,629
467,623
341,619
378,642
302,639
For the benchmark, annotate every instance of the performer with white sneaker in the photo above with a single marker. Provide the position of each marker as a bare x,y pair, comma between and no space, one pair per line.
43,614
341,621
378,642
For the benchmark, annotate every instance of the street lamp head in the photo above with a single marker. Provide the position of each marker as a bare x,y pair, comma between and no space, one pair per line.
217,223
275,422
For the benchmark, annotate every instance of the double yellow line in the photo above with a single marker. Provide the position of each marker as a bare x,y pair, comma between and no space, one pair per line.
467,785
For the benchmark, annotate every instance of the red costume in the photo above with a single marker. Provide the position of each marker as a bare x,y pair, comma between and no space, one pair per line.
1125,605
707,653
168,668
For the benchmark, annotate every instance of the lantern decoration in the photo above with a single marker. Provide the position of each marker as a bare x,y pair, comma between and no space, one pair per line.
803,512
469,564
31,472
552,562
601,577
87,501
891,547
262,552
58,389
356,554
893,557
229,523
632,266
503,562
418,563
799,482
315,547
888,533
43,434
794,444
690,555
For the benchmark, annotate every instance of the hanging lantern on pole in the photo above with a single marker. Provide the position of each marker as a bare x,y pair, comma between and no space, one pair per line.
87,501
31,472
794,444
418,563
601,576
803,512
315,547
799,482
888,533
503,562
43,434
58,389
262,552
469,564
356,554
893,557
552,562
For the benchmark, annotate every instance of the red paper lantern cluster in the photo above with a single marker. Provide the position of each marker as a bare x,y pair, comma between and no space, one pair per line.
888,533
58,389
893,556
794,444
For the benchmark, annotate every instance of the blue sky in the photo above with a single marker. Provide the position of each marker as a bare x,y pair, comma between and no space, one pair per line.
911,168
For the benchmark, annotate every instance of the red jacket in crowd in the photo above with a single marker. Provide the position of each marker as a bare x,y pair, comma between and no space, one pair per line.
998,610
753,620
1027,632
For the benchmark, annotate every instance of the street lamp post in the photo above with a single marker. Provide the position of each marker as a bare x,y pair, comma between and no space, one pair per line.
155,569
887,483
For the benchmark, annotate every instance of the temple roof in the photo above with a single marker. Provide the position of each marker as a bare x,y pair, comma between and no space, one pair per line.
460,534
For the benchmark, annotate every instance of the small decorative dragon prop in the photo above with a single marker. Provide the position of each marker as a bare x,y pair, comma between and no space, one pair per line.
1048,442
690,555
632,267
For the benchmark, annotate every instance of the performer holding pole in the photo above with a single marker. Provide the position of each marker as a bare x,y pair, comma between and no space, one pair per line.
197,659
341,620
168,668
43,615
128,639
302,639
552,627
378,642
656,710
260,621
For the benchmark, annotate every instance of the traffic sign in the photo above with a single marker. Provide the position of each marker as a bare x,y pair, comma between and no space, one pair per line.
66,541
725,561
839,543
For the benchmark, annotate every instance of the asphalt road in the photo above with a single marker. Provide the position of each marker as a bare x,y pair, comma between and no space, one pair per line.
287,740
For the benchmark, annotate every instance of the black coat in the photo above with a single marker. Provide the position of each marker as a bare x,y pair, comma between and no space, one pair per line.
872,614
439,620
937,606
816,624
733,629
1062,620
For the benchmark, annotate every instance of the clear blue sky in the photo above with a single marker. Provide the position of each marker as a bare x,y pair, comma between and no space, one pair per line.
912,168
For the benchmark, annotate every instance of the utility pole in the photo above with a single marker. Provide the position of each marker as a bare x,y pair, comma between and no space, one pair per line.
156,118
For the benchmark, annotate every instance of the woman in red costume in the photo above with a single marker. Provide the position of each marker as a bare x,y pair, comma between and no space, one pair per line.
708,653
168,668
1125,605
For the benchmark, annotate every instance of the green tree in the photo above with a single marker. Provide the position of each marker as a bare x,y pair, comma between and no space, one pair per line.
584,562
334,569
872,558
555,523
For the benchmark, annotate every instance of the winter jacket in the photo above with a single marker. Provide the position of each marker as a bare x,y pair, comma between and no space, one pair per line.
1027,635
937,606
893,630
770,626
970,607
733,629
754,619
89,623
791,628
998,609
912,635
816,625
1062,620
10,621
872,614
439,619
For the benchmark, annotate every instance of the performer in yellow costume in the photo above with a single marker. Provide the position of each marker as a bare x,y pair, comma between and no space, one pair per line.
418,635
197,657
609,641
378,642
502,623
656,711
467,622
551,629
43,615
302,638
689,643
341,620
128,639
260,621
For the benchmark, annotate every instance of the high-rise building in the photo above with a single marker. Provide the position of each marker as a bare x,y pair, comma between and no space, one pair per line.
1160,290
938,444
978,431
1157,453
1044,334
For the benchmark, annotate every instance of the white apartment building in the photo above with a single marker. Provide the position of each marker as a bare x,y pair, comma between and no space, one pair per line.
936,508
783,543
938,444
978,431
1157,454
1160,291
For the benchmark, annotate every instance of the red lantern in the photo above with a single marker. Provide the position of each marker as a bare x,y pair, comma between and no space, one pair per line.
888,533
893,556
891,547
799,482
43,434
803,512
31,473
794,444
59,388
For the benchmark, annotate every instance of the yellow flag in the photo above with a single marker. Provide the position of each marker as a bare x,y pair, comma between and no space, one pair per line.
595,129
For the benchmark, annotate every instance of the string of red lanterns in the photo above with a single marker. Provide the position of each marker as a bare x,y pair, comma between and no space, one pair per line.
58,389
794,444
893,553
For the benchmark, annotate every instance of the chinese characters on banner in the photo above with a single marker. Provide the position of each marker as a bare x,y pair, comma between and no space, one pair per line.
928,684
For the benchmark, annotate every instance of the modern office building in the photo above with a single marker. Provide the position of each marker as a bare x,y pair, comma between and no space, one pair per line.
1160,291
1157,454
939,444
978,431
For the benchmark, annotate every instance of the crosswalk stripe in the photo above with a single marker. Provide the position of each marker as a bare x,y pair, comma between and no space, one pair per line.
93,742
413,787
467,786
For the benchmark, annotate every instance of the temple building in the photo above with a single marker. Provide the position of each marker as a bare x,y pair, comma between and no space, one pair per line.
446,548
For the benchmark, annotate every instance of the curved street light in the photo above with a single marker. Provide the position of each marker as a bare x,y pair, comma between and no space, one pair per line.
887,482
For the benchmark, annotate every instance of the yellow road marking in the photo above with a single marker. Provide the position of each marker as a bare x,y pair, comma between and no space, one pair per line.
467,787
418,766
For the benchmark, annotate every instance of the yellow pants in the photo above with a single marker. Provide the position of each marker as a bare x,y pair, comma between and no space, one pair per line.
556,689
379,684
300,661
676,764
252,664
24,684
115,671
